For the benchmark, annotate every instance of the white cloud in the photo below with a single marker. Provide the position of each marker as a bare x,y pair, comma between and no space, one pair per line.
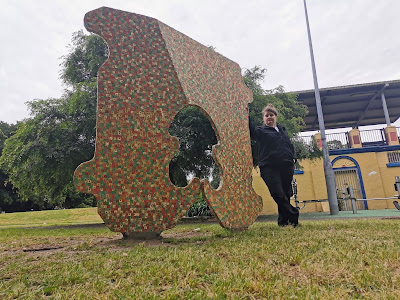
2,74
354,41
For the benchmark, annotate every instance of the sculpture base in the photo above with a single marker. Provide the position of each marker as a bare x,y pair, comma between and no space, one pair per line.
141,236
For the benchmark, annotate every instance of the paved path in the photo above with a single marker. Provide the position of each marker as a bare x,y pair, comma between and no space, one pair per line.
373,213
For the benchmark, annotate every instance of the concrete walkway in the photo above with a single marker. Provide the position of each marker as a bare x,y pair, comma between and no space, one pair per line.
373,213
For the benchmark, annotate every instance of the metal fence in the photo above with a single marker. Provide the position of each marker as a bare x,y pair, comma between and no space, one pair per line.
333,140
305,139
373,137
337,140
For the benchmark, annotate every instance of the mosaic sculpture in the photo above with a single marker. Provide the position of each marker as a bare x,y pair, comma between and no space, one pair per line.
153,71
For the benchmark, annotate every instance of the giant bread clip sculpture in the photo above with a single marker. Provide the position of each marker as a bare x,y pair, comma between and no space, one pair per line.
153,71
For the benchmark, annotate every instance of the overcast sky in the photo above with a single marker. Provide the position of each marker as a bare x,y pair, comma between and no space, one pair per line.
355,41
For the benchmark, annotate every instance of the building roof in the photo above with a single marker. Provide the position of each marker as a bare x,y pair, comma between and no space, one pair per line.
352,105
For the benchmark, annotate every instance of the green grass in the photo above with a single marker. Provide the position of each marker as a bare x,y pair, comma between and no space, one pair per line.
51,217
328,259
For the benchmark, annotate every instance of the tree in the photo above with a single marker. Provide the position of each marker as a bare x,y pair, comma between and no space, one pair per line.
6,130
40,158
335,144
196,138
253,78
3,137
8,195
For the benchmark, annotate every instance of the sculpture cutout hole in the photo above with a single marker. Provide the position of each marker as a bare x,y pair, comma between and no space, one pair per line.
196,137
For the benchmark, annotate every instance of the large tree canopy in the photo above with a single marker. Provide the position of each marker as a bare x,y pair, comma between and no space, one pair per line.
196,138
8,194
86,54
41,156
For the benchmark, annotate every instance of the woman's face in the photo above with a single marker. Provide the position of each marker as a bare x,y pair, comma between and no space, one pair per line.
269,119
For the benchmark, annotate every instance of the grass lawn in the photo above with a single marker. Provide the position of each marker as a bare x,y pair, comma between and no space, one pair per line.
51,217
329,259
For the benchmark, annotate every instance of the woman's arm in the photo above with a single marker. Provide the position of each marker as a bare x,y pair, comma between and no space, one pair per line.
253,130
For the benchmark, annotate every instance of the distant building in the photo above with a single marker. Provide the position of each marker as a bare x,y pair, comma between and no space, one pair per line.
367,159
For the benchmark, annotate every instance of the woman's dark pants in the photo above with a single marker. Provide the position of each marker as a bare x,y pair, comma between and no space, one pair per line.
279,182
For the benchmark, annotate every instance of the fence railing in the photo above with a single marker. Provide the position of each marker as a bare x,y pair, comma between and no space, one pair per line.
334,140
305,139
374,137
337,140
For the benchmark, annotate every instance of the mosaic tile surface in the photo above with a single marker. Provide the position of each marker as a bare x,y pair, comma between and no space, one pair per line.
215,84
153,72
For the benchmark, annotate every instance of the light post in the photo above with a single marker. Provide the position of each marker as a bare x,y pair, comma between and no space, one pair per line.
329,174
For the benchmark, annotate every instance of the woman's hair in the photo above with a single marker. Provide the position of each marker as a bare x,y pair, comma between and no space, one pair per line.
270,108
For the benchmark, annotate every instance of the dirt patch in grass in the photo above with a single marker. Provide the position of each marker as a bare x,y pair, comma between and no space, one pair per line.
113,243
70,226
185,235
390,218
166,239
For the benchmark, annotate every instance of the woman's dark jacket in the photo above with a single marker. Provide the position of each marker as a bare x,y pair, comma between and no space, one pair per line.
275,147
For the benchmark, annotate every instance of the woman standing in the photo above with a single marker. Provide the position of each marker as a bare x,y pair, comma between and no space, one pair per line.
276,159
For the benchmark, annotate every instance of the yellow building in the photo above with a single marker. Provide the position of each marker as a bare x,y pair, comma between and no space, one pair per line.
369,172
368,160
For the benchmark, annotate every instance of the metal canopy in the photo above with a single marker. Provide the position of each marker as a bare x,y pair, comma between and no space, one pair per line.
353,105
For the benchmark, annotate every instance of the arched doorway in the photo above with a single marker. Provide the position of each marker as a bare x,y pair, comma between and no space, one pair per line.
347,172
